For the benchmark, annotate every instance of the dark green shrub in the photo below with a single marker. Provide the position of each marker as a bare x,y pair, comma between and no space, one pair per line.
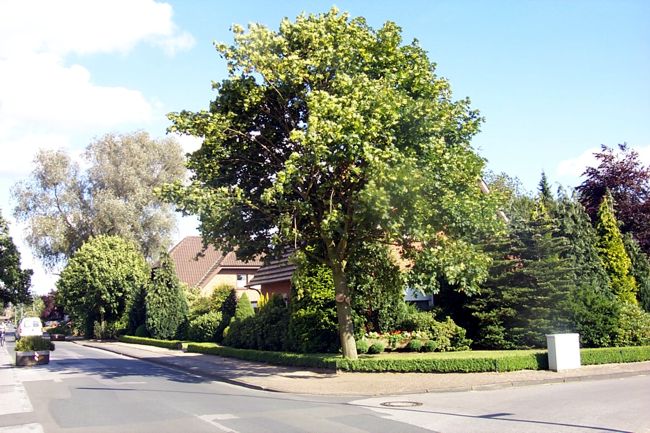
141,331
33,343
376,348
429,346
272,324
414,346
242,333
204,328
447,335
166,307
228,307
104,330
362,346
312,324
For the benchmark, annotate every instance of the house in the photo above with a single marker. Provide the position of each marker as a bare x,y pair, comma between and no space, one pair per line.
275,277
209,268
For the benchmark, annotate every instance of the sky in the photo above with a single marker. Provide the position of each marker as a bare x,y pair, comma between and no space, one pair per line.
553,79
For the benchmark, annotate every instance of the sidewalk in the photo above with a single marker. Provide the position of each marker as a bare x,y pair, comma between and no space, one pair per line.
301,381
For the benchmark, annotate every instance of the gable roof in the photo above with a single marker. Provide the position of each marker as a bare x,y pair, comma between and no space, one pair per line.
274,271
196,266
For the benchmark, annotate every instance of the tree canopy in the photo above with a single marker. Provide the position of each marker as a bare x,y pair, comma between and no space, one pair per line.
628,181
64,205
99,281
329,133
14,281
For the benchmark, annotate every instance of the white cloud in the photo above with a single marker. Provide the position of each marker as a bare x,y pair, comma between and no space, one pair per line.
574,167
42,97
189,143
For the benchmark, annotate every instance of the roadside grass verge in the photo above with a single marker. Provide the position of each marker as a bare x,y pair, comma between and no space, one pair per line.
472,361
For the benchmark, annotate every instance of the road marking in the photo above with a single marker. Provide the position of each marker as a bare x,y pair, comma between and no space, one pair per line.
211,419
23,428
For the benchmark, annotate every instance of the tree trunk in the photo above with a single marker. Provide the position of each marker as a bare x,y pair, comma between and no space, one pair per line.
344,312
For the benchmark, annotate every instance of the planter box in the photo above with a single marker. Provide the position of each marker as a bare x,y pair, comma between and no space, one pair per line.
27,359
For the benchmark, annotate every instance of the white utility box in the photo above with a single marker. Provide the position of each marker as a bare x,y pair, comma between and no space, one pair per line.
563,351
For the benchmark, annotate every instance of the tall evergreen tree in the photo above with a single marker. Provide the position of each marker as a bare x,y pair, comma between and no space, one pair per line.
166,306
612,252
544,190
528,292
593,304
640,270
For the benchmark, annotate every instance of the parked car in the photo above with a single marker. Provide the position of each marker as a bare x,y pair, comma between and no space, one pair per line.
29,326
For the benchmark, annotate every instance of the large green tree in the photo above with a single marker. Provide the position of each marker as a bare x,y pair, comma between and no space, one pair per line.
64,205
100,280
166,307
328,133
14,281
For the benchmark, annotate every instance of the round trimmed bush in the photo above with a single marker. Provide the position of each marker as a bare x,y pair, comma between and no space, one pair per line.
429,346
376,348
414,345
204,328
362,346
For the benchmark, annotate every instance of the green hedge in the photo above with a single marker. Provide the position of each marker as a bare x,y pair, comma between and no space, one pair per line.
534,361
277,358
167,344
613,355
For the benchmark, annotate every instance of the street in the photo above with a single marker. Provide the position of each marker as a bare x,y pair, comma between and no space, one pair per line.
89,390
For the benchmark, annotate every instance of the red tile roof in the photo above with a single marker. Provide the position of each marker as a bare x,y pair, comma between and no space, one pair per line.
195,266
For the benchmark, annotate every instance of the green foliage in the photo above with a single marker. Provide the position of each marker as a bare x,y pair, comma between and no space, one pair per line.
166,307
244,308
376,348
430,346
640,270
612,252
33,343
312,323
596,315
377,287
64,206
528,292
99,281
141,331
265,331
14,281
228,308
329,133
362,346
446,335
633,326
414,345
167,344
137,311
614,355
205,327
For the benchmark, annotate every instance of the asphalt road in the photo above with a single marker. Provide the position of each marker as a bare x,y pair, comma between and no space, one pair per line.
89,390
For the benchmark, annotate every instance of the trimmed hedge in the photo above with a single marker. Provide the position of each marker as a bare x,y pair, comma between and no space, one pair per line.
276,358
167,344
420,363
614,355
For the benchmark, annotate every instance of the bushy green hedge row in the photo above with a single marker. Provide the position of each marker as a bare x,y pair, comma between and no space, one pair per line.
613,355
276,358
167,344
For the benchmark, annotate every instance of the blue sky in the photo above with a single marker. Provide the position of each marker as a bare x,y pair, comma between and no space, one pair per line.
553,79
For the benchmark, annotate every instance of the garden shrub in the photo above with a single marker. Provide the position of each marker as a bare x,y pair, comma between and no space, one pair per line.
166,306
33,343
376,348
141,331
633,327
414,345
244,308
447,335
204,328
104,330
362,346
429,346
167,344
272,325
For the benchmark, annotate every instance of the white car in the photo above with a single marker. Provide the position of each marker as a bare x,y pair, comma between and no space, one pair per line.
29,326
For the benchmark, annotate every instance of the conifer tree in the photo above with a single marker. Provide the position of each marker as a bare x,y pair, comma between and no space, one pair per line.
640,270
612,252
528,292
244,308
166,307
